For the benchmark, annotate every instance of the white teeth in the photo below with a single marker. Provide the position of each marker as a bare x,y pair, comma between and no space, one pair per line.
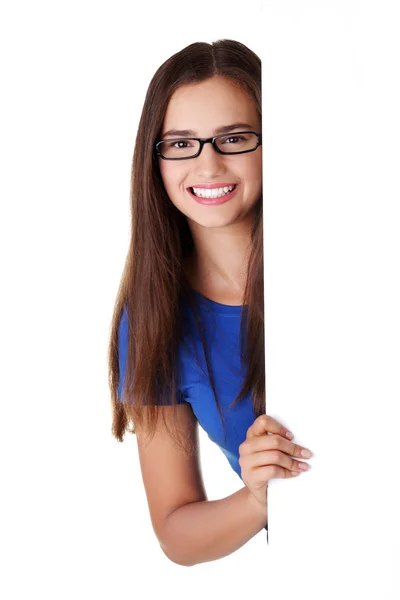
212,193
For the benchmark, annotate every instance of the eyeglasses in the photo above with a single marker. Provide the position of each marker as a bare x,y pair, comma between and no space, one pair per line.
184,148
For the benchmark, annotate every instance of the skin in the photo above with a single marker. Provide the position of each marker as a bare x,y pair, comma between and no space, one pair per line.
221,233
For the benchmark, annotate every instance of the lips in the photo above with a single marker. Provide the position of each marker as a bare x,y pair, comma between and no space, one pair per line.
213,201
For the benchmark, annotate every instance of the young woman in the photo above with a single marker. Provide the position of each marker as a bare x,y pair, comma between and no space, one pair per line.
187,338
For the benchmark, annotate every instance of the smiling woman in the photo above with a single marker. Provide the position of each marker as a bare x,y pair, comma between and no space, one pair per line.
187,339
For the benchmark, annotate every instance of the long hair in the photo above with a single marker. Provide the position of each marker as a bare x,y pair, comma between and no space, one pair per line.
153,280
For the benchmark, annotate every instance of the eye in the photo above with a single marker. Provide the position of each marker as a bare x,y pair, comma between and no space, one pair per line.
233,137
174,144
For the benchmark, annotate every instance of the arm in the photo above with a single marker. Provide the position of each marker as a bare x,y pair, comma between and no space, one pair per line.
190,528
208,530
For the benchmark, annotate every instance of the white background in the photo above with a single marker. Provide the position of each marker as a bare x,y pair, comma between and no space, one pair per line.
74,518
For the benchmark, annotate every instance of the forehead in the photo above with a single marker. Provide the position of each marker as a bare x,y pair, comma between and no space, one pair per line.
209,104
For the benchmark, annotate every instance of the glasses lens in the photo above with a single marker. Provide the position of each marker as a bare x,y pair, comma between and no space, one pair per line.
179,148
237,142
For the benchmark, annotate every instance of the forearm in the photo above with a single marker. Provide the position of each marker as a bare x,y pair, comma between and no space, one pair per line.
205,531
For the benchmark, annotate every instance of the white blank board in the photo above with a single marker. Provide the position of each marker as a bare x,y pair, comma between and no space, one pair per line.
331,148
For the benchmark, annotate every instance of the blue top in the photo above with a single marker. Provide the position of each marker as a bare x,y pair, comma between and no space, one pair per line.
221,326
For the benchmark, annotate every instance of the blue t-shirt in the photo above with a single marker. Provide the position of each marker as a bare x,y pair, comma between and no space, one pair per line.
221,327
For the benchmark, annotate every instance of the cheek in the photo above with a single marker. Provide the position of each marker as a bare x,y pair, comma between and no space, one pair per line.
258,169
173,181
258,163
252,162
172,178
254,171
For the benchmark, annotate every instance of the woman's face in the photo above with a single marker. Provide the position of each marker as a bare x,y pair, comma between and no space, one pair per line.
204,107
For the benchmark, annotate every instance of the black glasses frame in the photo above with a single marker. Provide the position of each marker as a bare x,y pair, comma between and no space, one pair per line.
208,141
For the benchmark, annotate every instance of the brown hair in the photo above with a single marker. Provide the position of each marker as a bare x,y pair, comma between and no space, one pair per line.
153,281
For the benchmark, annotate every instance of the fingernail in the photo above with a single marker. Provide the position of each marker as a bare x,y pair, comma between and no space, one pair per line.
306,453
289,435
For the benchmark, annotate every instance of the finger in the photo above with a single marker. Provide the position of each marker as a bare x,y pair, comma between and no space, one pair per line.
269,472
264,424
275,457
274,442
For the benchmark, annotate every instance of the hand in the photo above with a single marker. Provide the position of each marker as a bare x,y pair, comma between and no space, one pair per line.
263,457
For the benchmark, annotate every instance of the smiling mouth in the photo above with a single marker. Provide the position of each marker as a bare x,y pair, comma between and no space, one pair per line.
212,192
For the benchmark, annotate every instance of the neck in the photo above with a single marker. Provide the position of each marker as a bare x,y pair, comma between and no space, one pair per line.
220,257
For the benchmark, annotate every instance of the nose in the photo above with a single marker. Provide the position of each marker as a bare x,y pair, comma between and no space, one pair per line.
209,162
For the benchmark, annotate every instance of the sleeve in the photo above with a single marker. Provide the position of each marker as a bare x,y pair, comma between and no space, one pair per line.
122,356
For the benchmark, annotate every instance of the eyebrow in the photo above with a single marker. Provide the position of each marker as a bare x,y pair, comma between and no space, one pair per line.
219,130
